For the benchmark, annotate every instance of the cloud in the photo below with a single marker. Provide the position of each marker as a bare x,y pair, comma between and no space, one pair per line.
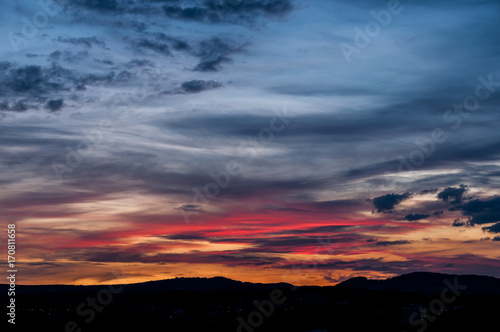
365,265
191,207
33,81
493,229
481,212
27,79
195,86
386,203
189,13
35,87
101,5
414,217
391,243
458,223
214,52
202,11
428,191
154,45
87,42
185,237
139,254
237,12
54,104
453,195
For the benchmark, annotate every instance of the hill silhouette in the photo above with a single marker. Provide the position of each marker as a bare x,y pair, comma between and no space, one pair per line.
222,304
426,283
416,282
215,284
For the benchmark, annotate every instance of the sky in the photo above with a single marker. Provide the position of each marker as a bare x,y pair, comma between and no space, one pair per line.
260,140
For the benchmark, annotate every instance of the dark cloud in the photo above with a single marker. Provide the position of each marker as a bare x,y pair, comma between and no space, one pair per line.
391,243
189,13
26,79
481,212
199,85
101,5
184,237
322,230
428,191
15,106
204,11
235,12
124,76
87,42
68,56
178,44
458,223
151,44
40,87
140,254
386,203
496,238
335,279
214,52
453,195
269,7
364,265
54,104
320,243
191,207
26,87
414,217
36,81
493,229
140,63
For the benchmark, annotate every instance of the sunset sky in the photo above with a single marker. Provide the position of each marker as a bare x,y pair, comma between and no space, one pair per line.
259,140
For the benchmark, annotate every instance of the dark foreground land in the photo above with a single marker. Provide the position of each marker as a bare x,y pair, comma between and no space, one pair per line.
413,302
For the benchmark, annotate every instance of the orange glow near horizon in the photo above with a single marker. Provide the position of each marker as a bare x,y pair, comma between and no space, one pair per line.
303,247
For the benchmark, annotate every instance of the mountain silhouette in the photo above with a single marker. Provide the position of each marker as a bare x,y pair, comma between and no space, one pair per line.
426,283
417,282
215,284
